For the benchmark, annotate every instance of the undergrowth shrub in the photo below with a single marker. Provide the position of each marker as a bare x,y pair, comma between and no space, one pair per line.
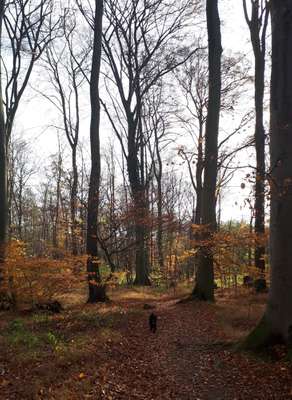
33,280
18,334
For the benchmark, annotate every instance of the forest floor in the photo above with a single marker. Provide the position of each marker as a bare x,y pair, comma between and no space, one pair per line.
107,352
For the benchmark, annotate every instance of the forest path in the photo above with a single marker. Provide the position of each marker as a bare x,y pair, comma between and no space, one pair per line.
188,358
107,352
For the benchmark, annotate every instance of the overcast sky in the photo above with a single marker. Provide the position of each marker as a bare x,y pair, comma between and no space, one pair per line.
36,114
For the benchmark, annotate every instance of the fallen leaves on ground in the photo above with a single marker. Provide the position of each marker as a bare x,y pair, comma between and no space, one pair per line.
188,358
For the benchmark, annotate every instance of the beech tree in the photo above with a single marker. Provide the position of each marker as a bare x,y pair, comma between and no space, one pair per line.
192,79
97,291
65,64
276,324
158,126
193,84
141,46
204,288
258,23
158,118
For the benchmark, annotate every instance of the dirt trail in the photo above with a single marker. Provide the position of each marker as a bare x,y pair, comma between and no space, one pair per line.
188,358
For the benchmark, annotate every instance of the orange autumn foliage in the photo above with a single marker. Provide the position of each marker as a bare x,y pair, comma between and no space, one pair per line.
31,280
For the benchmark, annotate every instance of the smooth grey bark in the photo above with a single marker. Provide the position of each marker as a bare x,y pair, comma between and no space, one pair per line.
97,291
277,321
3,168
257,23
204,288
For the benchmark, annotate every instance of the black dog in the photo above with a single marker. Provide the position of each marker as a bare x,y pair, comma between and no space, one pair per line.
153,322
54,307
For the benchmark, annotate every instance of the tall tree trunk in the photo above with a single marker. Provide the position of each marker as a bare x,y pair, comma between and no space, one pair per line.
204,289
160,225
158,175
140,211
250,234
142,256
10,188
73,203
277,321
257,24
56,219
197,215
20,209
97,291
199,173
114,244
3,169
260,176
141,217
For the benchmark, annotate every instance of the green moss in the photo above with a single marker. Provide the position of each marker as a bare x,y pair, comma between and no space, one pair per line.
18,334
